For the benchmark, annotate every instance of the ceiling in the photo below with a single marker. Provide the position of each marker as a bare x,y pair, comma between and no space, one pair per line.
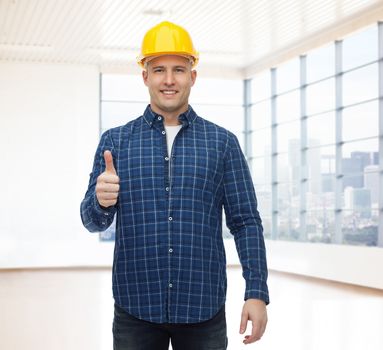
233,36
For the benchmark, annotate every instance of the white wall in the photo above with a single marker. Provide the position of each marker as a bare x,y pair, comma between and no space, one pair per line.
49,117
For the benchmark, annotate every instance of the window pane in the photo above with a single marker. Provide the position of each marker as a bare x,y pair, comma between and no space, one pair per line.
360,48
123,88
261,170
288,76
320,226
361,121
321,129
261,140
371,183
321,63
319,199
321,163
360,226
369,146
357,156
217,91
261,115
321,96
357,168
288,106
361,191
288,211
287,165
261,86
288,136
119,113
264,207
360,85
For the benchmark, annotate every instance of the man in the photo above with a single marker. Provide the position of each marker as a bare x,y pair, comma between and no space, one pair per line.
167,175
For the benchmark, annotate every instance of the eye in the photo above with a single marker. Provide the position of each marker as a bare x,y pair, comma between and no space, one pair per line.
179,70
158,70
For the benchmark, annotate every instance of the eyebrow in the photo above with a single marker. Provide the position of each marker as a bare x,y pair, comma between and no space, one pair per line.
173,67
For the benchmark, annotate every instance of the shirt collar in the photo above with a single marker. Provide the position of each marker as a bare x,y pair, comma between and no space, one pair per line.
187,118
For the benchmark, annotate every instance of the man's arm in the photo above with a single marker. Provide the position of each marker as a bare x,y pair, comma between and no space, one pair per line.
244,222
103,188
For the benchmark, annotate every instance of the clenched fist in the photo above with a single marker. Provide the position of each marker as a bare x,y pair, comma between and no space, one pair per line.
108,183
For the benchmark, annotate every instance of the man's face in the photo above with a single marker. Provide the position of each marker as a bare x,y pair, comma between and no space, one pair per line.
169,80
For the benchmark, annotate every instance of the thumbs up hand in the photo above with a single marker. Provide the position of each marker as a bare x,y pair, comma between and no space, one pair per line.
108,183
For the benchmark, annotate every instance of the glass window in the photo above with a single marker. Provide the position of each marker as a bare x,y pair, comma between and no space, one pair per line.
261,140
123,88
261,115
361,121
288,136
360,85
320,161
261,170
360,225
264,207
217,91
320,96
370,146
288,211
320,225
357,156
288,166
321,63
261,86
288,106
288,76
321,129
360,48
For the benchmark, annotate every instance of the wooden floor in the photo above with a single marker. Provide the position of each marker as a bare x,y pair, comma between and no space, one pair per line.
72,309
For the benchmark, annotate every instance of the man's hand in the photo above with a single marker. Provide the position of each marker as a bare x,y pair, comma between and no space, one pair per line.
253,310
108,183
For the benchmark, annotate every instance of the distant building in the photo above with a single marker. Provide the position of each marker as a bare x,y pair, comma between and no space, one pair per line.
353,169
358,200
371,182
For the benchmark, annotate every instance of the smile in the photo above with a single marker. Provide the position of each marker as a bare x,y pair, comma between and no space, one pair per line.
169,92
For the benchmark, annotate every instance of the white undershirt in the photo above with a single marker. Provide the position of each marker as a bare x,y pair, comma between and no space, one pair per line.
171,133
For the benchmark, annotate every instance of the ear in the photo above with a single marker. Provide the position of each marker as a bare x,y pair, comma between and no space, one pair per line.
145,77
193,76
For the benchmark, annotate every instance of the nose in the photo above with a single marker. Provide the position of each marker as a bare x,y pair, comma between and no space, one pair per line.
169,78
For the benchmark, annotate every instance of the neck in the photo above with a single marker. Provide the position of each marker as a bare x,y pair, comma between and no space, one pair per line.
170,118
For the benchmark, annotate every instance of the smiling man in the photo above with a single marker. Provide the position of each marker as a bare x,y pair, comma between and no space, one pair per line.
168,175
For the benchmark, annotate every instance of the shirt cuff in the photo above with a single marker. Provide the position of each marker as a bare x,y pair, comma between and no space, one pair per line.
102,210
256,290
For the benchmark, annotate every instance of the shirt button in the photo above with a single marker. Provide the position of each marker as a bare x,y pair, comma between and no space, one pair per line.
170,250
170,285
166,158
159,118
167,189
170,218
163,132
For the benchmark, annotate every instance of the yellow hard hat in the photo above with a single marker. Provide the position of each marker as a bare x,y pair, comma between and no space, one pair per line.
167,38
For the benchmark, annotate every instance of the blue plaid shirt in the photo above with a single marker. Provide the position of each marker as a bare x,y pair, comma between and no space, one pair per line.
169,259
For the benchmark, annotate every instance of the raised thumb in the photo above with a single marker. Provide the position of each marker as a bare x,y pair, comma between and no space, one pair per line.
109,167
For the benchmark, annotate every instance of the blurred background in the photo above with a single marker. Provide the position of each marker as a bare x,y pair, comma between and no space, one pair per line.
299,82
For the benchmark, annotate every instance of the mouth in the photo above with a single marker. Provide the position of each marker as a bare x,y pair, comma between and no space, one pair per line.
168,92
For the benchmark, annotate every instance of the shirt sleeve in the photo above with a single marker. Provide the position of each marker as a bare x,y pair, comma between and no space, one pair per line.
244,222
94,217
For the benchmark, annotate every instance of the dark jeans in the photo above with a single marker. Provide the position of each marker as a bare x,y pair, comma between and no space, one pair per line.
131,333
